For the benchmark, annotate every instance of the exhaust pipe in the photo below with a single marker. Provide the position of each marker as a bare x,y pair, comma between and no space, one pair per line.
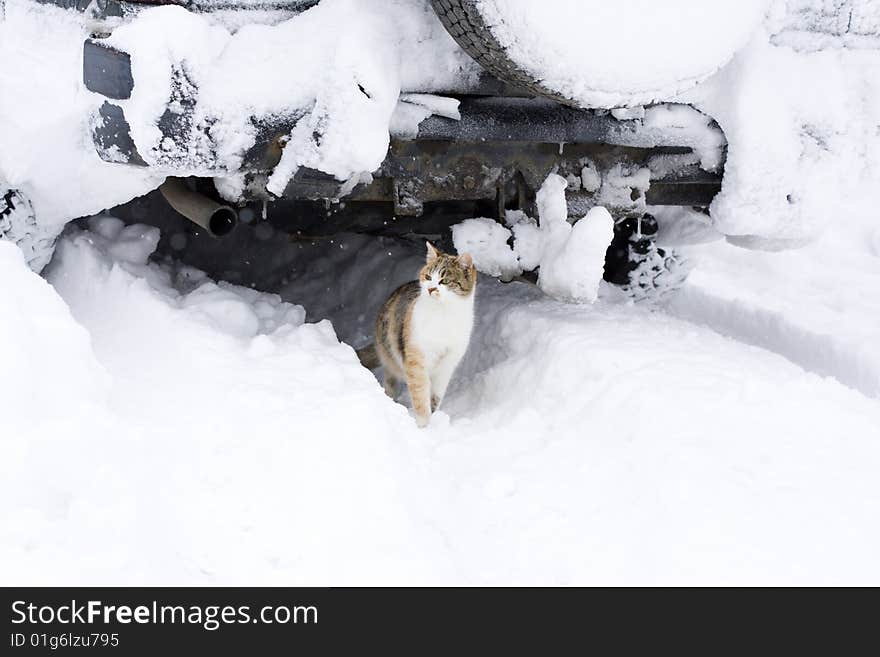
216,218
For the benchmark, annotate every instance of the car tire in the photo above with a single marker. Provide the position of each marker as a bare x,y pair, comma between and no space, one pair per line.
640,268
18,224
464,21
476,27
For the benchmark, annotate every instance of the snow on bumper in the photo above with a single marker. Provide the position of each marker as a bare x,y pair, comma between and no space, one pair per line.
199,98
193,99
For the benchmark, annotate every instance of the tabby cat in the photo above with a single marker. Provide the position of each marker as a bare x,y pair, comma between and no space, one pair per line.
423,330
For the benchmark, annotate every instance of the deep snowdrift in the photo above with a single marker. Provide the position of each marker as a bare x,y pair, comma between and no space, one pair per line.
212,437
207,452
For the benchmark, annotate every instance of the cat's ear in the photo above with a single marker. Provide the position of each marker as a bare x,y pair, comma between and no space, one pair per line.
465,260
433,253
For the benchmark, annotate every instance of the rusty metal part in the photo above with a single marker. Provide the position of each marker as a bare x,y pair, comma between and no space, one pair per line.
507,174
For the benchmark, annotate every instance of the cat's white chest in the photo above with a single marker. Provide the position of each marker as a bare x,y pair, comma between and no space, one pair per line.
441,328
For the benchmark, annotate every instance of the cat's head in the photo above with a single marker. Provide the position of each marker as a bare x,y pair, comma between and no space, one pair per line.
445,275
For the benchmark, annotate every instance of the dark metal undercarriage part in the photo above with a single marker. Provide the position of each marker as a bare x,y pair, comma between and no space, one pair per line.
416,173
491,160
495,158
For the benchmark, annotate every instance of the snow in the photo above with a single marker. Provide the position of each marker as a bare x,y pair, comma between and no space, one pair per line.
620,181
803,156
669,116
575,271
160,427
790,166
38,336
812,25
360,55
817,305
800,157
603,54
381,45
202,433
439,105
591,179
352,95
486,241
255,470
571,258
412,109
714,472
44,114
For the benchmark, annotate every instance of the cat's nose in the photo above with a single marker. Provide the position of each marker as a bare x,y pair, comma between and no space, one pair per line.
432,290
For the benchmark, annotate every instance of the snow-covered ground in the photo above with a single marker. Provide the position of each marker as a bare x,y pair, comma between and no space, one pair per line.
169,430
158,427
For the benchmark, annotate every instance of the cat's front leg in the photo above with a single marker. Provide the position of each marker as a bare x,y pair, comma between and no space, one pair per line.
419,386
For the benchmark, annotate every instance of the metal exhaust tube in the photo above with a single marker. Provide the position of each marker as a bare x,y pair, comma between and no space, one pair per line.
218,219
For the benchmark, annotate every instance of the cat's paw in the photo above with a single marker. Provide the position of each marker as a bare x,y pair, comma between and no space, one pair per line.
422,421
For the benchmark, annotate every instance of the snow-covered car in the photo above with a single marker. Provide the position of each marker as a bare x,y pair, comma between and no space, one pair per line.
409,116
186,409
207,92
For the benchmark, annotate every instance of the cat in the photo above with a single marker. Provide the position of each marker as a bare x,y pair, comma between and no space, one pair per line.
423,330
